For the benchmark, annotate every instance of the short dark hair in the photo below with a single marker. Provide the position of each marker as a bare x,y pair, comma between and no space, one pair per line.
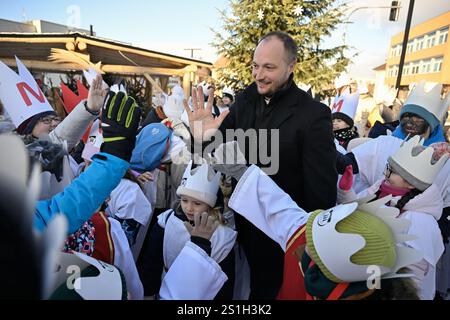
289,44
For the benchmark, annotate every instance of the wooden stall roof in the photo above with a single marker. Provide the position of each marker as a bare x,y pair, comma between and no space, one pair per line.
115,57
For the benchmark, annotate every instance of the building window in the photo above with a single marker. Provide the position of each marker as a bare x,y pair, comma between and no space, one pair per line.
409,47
430,39
437,65
443,35
425,66
406,70
420,42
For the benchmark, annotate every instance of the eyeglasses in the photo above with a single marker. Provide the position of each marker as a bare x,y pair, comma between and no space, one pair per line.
48,120
417,120
389,171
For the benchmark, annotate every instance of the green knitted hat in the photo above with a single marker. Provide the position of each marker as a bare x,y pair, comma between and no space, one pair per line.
379,249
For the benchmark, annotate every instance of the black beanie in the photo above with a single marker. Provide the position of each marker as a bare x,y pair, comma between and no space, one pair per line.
228,96
28,125
344,117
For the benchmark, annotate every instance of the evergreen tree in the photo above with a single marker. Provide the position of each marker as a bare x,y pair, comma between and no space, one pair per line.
308,22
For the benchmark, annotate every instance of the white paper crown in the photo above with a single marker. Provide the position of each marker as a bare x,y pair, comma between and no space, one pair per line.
90,75
196,184
335,249
173,107
94,141
419,166
389,97
228,90
106,286
20,93
346,103
342,80
427,96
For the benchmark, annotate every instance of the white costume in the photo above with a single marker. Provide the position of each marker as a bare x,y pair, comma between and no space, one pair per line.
204,281
176,236
123,259
422,211
372,157
127,201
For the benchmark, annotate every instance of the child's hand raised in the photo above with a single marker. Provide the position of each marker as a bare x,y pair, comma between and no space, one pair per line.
204,225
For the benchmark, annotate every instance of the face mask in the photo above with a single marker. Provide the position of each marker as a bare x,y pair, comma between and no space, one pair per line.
387,189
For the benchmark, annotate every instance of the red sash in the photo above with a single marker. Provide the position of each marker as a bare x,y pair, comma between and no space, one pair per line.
293,287
104,246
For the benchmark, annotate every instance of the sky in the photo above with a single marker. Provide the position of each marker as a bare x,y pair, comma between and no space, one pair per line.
173,26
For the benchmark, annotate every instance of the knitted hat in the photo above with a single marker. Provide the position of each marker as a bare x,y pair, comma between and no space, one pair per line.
152,145
199,184
378,250
346,240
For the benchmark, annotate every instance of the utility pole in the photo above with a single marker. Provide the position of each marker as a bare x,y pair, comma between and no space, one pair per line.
404,45
192,51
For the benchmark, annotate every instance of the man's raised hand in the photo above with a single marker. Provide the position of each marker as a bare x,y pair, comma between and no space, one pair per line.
201,121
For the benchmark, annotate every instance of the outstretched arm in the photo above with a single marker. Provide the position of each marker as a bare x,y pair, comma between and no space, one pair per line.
259,199
120,119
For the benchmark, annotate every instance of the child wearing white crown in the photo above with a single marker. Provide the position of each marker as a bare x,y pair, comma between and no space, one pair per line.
348,252
342,115
198,194
409,177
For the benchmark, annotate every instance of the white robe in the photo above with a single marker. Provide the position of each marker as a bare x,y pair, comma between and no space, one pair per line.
372,157
422,211
127,201
123,259
176,236
203,281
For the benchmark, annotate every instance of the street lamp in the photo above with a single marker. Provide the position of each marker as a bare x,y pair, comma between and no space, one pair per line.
405,43
395,9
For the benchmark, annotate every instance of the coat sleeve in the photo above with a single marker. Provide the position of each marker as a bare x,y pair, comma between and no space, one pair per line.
318,156
72,128
259,199
85,194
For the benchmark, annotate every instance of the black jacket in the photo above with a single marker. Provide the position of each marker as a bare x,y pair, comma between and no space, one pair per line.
307,155
307,169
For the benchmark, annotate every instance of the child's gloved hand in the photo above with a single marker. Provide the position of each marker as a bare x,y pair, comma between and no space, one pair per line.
229,160
346,181
120,120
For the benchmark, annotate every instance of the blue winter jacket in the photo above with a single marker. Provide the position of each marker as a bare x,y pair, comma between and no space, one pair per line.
85,194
